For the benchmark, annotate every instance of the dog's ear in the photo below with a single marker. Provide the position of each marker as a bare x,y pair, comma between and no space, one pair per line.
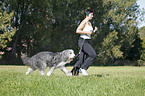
65,56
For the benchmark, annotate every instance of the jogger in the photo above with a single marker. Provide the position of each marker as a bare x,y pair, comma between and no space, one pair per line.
87,55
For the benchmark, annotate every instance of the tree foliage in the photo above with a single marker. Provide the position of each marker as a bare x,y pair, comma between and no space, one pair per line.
143,51
6,30
142,36
142,32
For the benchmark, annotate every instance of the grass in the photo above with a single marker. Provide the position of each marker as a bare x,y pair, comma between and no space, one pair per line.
103,81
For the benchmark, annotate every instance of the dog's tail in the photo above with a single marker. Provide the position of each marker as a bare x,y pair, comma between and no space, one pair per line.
26,60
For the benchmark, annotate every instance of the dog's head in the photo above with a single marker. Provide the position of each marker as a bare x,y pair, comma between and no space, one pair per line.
23,55
26,60
68,55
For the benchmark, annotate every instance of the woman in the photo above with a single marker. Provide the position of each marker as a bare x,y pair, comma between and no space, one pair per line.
85,30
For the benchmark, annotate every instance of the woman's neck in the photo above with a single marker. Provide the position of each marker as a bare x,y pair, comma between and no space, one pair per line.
87,19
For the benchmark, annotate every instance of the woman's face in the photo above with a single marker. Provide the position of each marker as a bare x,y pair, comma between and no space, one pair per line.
90,16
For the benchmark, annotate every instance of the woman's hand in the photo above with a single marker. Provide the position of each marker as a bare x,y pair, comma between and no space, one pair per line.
95,29
91,33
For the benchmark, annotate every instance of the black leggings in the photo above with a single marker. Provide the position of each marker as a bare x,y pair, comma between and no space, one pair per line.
87,55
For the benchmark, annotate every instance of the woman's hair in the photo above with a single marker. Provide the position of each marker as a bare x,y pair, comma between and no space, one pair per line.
88,11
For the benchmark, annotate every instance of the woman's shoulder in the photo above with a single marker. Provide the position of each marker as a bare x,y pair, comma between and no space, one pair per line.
83,22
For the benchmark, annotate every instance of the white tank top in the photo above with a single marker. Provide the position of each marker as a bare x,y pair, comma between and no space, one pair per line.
87,28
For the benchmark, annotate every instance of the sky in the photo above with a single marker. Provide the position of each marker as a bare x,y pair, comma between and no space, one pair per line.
142,5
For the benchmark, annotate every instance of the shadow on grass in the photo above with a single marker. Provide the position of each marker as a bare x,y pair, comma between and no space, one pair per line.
99,75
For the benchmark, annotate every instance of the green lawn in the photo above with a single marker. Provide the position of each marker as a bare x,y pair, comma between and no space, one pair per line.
103,81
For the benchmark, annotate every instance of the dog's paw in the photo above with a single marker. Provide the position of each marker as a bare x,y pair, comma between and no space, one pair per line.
27,73
42,73
48,74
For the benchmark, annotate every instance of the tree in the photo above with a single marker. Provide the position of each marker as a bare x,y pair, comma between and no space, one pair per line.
142,32
136,51
6,30
142,35
110,46
143,51
120,16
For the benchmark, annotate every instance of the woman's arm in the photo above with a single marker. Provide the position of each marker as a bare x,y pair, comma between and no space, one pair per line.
94,30
80,28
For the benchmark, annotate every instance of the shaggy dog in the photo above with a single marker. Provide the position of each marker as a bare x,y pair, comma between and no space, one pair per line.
52,60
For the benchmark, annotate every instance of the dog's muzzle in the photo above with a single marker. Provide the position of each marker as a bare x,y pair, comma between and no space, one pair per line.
71,58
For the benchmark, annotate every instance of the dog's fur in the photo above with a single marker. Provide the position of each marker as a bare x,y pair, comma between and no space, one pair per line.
52,60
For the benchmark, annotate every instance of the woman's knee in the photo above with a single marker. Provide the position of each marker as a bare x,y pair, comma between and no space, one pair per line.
93,55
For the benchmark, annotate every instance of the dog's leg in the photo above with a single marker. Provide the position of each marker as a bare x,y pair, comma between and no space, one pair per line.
42,73
50,71
29,71
67,72
42,68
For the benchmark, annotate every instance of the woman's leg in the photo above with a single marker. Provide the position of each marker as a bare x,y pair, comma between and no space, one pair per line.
80,61
91,55
81,56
